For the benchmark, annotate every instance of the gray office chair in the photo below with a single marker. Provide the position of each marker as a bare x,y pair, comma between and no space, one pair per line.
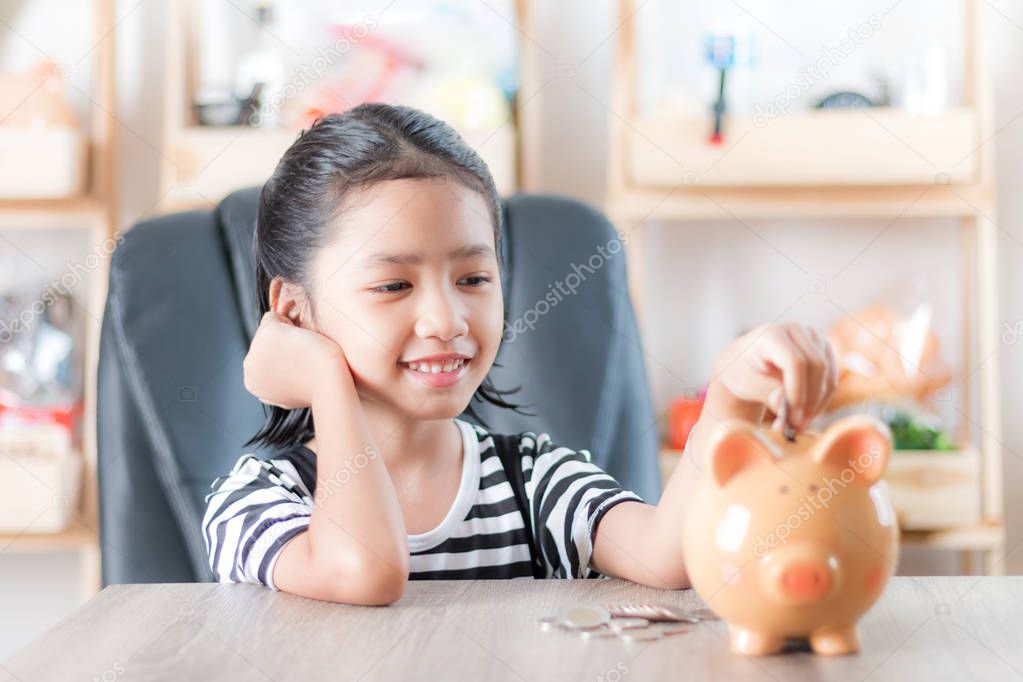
173,411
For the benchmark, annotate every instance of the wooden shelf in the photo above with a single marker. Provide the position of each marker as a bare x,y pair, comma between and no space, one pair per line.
831,147
983,536
206,163
874,163
73,212
97,211
210,162
935,489
81,536
75,537
49,162
695,202
80,533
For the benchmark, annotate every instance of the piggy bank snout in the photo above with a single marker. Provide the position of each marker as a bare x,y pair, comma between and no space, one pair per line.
801,576
805,581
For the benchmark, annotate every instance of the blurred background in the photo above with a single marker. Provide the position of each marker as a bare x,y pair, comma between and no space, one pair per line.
850,165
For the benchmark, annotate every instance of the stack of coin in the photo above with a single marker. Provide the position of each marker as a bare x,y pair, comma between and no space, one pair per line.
654,612
632,622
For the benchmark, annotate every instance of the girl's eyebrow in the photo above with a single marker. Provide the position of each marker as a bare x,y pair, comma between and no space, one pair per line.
466,251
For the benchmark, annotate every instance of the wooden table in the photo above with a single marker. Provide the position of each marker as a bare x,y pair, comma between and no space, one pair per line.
923,628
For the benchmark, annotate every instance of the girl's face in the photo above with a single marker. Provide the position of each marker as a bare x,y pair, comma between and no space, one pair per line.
412,273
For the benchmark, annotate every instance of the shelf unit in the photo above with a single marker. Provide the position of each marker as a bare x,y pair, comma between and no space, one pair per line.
205,163
949,500
96,213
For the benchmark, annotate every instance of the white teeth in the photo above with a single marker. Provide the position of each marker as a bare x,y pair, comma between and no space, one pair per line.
436,368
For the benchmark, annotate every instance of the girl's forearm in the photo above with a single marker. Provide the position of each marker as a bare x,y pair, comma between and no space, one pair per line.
356,523
643,543
669,515
666,529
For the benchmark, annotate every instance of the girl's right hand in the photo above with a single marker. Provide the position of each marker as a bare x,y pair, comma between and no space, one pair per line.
285,361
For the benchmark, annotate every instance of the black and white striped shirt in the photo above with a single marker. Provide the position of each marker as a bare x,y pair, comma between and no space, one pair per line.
262,504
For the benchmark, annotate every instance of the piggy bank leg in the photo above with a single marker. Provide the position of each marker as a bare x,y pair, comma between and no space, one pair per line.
753,643
835,641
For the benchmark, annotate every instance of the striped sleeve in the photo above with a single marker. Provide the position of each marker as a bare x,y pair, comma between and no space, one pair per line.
568,495
250,515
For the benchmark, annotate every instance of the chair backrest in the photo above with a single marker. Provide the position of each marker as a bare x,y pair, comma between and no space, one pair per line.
173,411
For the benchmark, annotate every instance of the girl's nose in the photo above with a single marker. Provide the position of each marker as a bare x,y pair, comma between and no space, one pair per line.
441,315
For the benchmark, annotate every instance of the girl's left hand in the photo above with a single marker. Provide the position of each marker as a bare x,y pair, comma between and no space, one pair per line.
773,361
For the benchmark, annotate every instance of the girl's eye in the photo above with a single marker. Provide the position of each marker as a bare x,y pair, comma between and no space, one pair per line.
481,278
386,289
396,287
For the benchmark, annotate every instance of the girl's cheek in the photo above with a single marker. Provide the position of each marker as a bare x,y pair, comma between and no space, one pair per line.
492,317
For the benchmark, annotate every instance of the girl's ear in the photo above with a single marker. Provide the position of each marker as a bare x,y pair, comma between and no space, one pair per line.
290,300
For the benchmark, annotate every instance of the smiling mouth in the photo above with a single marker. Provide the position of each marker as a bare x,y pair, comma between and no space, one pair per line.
448,367
438,375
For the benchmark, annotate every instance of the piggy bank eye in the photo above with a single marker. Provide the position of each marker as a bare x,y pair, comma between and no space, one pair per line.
783,489
813,488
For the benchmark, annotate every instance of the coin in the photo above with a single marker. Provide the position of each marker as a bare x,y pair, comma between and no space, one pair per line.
653,612
786,428
584,616
619,624
600,631
641,622
674,630
706,614
548,623
647,634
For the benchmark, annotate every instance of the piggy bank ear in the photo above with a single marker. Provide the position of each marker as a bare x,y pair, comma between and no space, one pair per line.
733,448
860,444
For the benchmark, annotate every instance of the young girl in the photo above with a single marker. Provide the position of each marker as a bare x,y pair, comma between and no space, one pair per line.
378,270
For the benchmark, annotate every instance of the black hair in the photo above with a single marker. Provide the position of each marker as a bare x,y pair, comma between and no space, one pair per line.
338,155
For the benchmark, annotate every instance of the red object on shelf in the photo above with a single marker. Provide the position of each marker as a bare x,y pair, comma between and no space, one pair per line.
682,416
68,416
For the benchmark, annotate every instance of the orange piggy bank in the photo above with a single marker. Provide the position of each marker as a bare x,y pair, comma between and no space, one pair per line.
792,539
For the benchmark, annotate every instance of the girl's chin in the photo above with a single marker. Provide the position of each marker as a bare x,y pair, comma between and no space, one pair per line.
433,407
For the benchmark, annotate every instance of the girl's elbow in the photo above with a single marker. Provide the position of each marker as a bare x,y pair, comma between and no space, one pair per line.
380,588
682,583
386,593
674,579
680,579
370,582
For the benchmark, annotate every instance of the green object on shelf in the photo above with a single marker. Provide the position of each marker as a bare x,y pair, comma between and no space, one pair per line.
911,435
